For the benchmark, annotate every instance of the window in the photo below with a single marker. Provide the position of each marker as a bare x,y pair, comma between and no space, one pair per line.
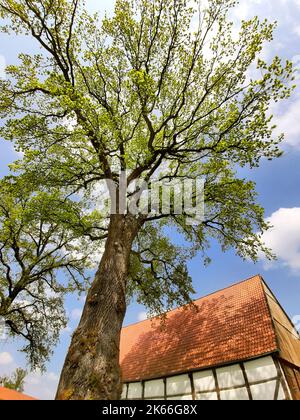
266,391
154,389
261,369
135,391
230,376
204,381
179,386
258,379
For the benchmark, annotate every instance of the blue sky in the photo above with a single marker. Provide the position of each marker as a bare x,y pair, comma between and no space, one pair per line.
278,185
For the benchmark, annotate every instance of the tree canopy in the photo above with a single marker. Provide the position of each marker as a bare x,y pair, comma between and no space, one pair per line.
35,244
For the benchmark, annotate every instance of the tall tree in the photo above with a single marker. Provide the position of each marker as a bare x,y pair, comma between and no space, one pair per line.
162,90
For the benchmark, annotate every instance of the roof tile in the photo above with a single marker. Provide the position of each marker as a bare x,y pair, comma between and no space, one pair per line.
230,325
10,395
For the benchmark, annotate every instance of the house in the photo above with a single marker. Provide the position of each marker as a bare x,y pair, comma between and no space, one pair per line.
235,344
10,395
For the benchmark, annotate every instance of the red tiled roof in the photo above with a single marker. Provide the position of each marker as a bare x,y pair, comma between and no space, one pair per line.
10,395
230,325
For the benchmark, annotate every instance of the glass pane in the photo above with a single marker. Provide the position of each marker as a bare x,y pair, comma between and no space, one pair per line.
235,394
230,376
135,390
204,381
260,369
155,388
179,385
209,396
264,391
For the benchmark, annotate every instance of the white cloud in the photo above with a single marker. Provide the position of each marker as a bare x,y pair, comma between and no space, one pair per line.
76,314
70,123
142,316
283,11
289,124
297,30
286,114
6,359
104,5
53,377
33,379
248,8
41,386
296,62
82,298
67,330
284,238
242,11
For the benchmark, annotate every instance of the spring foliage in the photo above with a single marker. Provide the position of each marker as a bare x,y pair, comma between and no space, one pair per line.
163,90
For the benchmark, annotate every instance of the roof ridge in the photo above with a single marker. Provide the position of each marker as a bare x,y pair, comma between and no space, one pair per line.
259,276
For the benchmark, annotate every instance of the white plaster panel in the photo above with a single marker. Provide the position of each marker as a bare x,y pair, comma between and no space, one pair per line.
230,376
265,391
154,388
208,396
178,385
204,381
135,390
281,394
235,394
260,369
124,392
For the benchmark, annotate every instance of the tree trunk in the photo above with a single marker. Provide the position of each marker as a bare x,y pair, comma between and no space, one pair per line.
91,370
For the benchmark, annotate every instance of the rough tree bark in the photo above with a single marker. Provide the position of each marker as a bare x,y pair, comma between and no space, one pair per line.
91,369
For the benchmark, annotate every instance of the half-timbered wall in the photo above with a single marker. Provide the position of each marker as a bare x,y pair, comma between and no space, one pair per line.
292,375
287,335
259,379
